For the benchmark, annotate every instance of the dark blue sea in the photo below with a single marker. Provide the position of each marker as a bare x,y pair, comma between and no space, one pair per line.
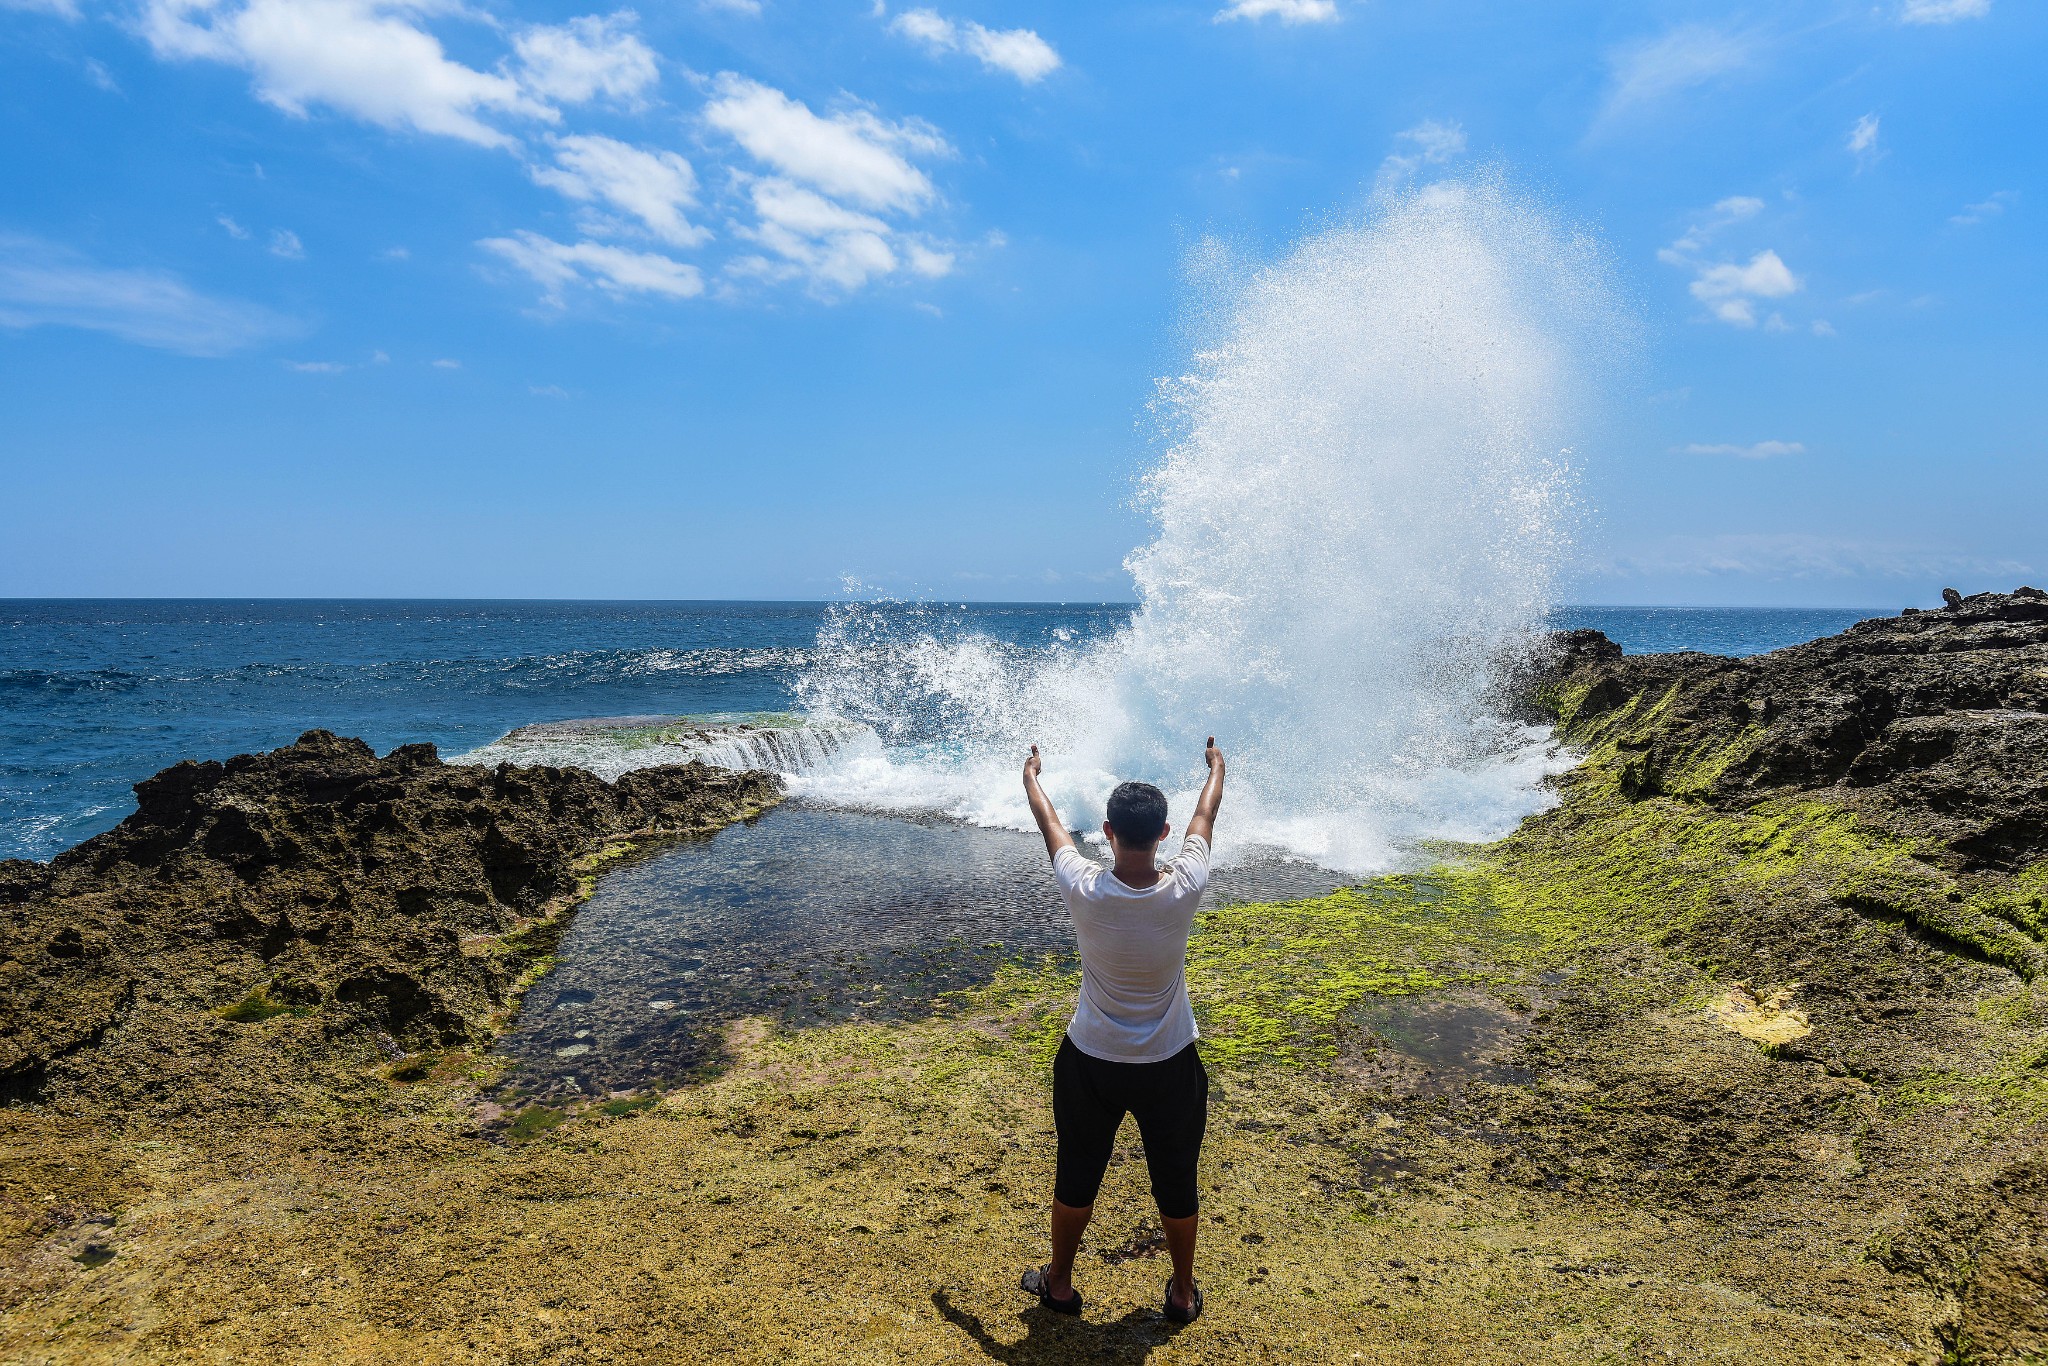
95,695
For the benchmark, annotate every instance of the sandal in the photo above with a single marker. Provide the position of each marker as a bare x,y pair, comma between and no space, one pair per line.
1033,1283
1178,1314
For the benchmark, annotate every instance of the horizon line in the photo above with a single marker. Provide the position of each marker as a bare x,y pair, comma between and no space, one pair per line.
837,602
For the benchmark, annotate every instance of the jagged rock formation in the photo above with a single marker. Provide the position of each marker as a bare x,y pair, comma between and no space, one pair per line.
1931,726
1933,723
391,904
1863,818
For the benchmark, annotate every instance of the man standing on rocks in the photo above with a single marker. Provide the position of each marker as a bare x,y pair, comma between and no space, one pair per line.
1131,1045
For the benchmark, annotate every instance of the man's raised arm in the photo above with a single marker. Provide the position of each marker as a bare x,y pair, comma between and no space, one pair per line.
1203,822
1056,836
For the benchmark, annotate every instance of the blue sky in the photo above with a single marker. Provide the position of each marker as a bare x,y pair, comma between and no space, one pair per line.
355,297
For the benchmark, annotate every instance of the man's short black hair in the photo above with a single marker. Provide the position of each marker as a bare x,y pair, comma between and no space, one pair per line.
1137,813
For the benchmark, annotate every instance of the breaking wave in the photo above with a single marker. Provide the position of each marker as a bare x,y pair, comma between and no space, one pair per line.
1363,506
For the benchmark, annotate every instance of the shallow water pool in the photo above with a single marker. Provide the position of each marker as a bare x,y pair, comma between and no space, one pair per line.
807,915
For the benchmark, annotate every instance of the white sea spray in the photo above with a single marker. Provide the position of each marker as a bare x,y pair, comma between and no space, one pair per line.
1363,507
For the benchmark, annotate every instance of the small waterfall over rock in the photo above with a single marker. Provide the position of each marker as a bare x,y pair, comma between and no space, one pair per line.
781,749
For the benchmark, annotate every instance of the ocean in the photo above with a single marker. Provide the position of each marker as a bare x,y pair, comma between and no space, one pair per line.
98,694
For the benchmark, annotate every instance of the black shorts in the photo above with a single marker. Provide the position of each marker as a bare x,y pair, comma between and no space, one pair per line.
1171,1101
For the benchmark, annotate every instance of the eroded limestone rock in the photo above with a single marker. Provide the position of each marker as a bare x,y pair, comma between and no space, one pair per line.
385,904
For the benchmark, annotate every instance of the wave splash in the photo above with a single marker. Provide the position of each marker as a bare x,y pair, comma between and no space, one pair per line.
1363,509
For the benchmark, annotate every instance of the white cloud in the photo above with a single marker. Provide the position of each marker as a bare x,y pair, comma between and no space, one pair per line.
284,242
316,367
927,261
1989,208
833,248
365,58
377,61
1434,140
1862,142
1942,11
928,27
822,212
655,187
232,228
547,391
1646,72
96,72
1823,328
556,266
446,364
1759,450
1286,11
749,7
1734,209
46,285
588,56
62,9
828,243
1430,143
395,254
1018,51
1730,290
851,155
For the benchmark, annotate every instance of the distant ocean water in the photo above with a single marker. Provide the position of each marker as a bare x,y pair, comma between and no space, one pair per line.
95,695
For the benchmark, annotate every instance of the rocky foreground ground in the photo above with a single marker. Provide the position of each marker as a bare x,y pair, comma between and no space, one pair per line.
1739,1053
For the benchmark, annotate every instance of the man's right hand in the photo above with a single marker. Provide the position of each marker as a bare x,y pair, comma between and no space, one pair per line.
1056,836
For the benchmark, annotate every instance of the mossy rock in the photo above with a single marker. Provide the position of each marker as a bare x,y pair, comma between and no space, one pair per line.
534,1122
260,1005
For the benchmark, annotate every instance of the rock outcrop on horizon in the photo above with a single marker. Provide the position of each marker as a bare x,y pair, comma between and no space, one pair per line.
1931,725
390,904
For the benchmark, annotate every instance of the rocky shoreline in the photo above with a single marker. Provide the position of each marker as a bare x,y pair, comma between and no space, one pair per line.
1739,1053
362,909
1860,825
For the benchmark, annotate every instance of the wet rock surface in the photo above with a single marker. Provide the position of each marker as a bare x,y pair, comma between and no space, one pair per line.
1433,1045
370,906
